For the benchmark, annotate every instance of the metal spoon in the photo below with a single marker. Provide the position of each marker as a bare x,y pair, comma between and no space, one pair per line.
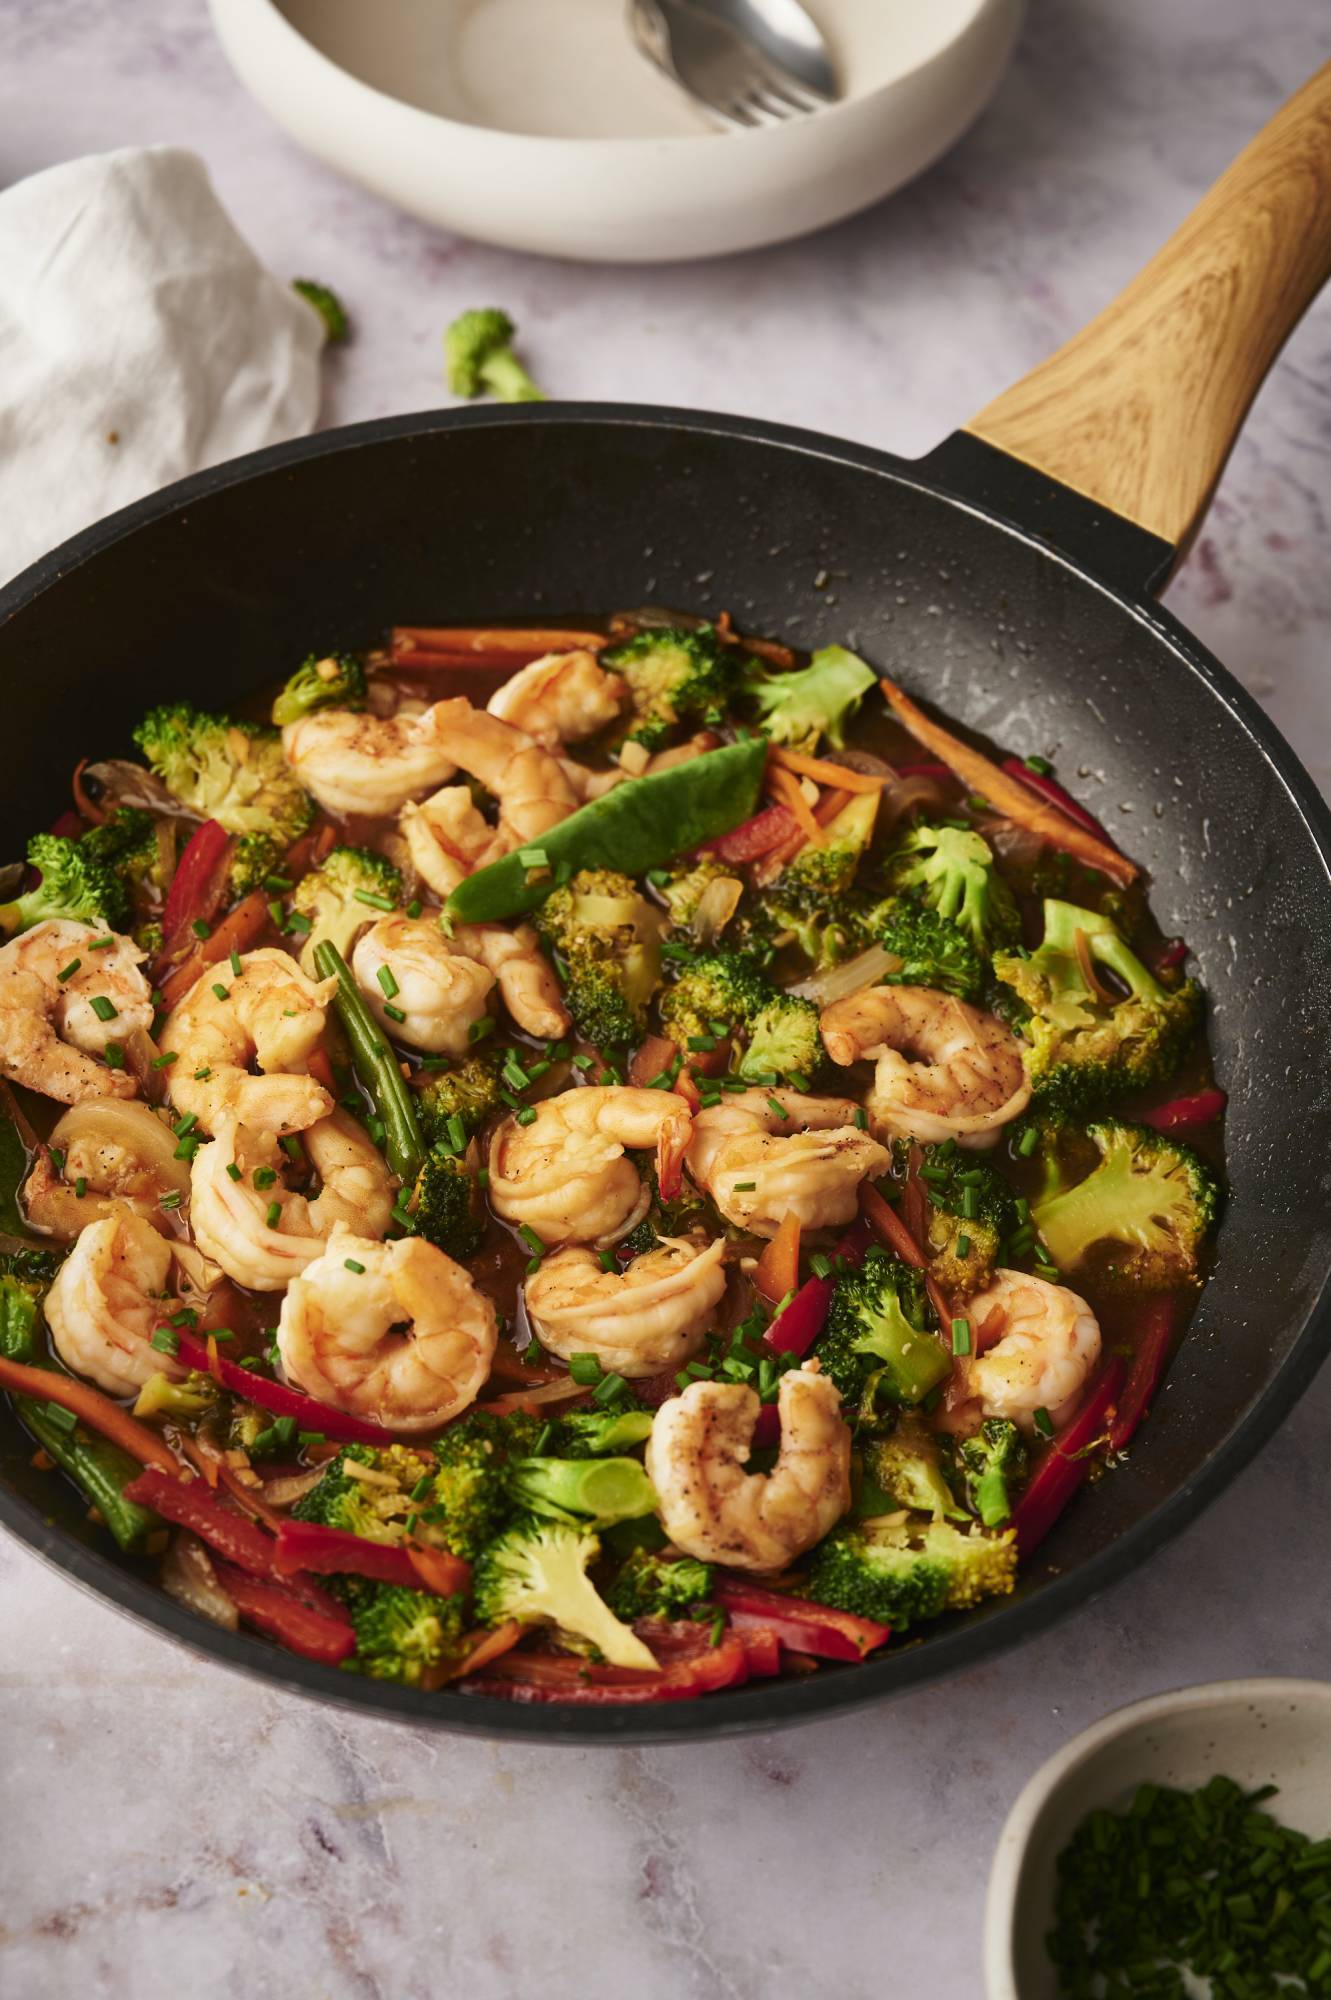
747,63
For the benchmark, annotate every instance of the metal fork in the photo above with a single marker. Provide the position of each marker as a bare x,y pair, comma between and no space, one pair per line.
748,63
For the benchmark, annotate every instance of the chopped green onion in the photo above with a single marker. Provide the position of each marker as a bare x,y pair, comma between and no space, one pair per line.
585,1370
820,1265
480,1029
221,992
164,1341
1028,1141
101,944
393,1013
961,1336
352,1264
80,1187
200,929
526,1115
68,971
172,1200
1040,765
274,1215
165,1062
233,1171
1044,1423
264,1177
963,1246
115,1055
778,1107
374,902
744,1187
414,907
104,1009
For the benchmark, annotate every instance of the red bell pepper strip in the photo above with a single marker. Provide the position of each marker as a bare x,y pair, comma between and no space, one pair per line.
795,1330
1172,954
197,886
275,1396
1053,793
1158,1321
192,1504
544,1677
308,1545
762,1650
799,1623
314,1633
767,1430
1187,1114
755,837
778,1268
1066,1463
924,771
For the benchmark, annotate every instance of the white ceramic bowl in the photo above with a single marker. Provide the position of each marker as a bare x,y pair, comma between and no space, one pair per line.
1258,1732
535,124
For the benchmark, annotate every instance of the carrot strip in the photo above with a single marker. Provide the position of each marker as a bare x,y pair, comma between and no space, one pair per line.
488,1646
981,775
778,1268
652,1059
823,772
786,790
94,1409
886,1224
771,863
236,932
438,1570
770,650
320,1067
503,641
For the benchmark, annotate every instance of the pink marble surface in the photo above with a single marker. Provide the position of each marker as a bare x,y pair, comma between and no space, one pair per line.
172,1830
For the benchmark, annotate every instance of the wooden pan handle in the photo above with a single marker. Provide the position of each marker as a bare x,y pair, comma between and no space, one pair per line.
1139,410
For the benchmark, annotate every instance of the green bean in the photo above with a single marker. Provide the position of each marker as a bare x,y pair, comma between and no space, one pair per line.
376,1066
98,1468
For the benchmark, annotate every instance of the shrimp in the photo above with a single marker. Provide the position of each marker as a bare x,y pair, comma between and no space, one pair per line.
443,982
362,763
560,699
712,1508
759,1165
651,1316
945,1070
396,1332
107,1301
532,791
268,1013
230,1217
111,1153
51,1029
447,838
1049,1343
564,1174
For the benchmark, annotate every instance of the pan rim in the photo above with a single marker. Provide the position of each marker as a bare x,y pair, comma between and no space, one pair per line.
760,1705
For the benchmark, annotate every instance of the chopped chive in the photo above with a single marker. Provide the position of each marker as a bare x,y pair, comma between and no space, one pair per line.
187,1148
480,1029
311,1437
80,1187
1044,1423
393,1013
701,1044
165,1062
352,1264
797,1078
374,902
236,967
233,1171
185,1124
525,1115
531,1239
101,944
69,970
456,1132
1040,765
963,1246
104,1009
200,929
274,1215
583,1062
164,1340
291,1147
585,1370
609,1389
961,1336
275,912
778,1107
172,1200
221,992
299,924
820,1265
264,1177
187,1316
1028,1142
970,1203
607,1260
414,907
387,983
744,1187
202,1075
115,1055
278,883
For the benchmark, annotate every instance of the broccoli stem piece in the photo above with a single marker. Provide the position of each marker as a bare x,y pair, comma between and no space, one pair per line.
329,307
376,1066
600,1491
478,354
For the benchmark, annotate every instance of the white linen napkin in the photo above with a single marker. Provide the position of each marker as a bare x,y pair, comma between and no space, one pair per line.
140,339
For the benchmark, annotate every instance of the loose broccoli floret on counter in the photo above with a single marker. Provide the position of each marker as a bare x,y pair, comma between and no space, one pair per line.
952,870
932,950
453,1104
233,772
471,1487
970,1213
1148,1200
876,1345
657,1586
401,1634
478,355
329,307
377,1506
674,676
716,994
338,898
333,680
798,709
592,1492
903,1573
593,1433
1087,1041
73,885
992,1463
907,1469
607,943
697,910
820,876
443,1207
537,1573
784,1041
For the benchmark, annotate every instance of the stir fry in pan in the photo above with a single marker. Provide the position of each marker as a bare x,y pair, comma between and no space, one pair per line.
588,1166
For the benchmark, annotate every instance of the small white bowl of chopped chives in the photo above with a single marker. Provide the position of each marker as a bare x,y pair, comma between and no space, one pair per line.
1151,1856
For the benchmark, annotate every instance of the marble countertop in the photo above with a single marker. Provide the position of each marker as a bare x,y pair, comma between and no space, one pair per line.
171,1829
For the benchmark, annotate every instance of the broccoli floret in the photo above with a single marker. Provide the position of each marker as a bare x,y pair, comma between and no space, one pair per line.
254,856
332,897
468,1093
674,676
1149,1200
876,1345
34,1270
819,876
1084,1044
377,1508
799,708
127,841
784,1041
593,1433
471,1489
607,941
537,1573
933,950
952,870
825,934
656,1586
900,1574
443,1206
478,354
593,1492
685,1213
970,1213
329,307
684,892
714,994
992,1462
74,885
183,1402
907,1468
333,680
402,1634
233,772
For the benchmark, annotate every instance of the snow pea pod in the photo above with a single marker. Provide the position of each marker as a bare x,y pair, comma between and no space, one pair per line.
643,823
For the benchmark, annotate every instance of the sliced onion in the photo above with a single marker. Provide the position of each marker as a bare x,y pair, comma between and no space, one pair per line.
189,1577
107,1138
289,1487
716,906
127,784
862,761
838,982
902,795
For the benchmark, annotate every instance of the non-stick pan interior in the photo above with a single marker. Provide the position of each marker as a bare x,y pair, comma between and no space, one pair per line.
233,578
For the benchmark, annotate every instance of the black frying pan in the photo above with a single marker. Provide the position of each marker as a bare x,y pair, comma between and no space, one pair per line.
1008,577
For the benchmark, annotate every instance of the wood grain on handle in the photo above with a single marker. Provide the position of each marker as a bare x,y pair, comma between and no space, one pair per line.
1139,410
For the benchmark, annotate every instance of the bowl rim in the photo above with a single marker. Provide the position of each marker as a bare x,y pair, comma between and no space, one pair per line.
1048,1780
761,1705
547,146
